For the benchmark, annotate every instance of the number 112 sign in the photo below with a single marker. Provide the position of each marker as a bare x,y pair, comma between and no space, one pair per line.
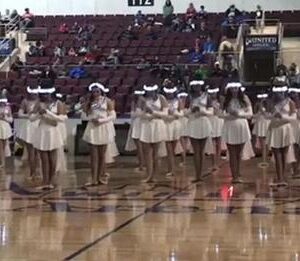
140,2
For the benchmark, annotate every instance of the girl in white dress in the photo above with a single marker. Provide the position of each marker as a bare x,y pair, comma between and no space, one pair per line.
237,110
294,95
184,139
48,138
217,125
173,126
28,128
261,122
99,132
5,128
135,130
280,136
199,126
154,108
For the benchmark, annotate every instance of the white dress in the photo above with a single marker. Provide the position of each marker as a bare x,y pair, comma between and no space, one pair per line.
134,130
296,127
261,124
48,137
28,127
199,126
216,122
99,134
173,124
153,127
280,133
5,128
236,128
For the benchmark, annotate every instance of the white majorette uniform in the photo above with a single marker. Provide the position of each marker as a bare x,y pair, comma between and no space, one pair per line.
103,133
28,127
215,121
5,128
296,123
134,132
280,133
260,119
62,125
153,127
48,136
172,120
236,128
184,119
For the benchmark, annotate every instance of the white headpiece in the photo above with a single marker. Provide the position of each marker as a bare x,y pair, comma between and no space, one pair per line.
215,90
233,85
98,86
196,83
46,90
262,96
182,94
32,91
150,88
280,89
3,100
297,90
59,95
139,92
170,90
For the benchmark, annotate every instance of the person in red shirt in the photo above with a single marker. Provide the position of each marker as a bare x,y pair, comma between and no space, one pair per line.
63,28
27,19
190,12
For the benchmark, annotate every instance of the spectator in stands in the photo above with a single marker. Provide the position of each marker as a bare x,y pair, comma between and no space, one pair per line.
196,56
189,26
72,52
75,28
129,34
59,50
6,17
176,24
197,43
281,78
168,11
84,48
32,50
190,12
40,48
217,71
92,57
259,18
78,72
203,32
27,19
114,57
230,72
14,14
63,28
150,33
16,66
202,13
209,46
91,28
139,19
226,51
294,69
84,34
62,71
49,74
232,11
202,73
294,76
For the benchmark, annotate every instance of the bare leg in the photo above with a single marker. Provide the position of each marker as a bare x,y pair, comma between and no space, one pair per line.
183,142
2,153
155,158
202,143
216,157
262,141
52,156
283,154
94,164
32,158
45,166
296,164
101,164
239,150
148,153
278,163
170,157
196,149
140,154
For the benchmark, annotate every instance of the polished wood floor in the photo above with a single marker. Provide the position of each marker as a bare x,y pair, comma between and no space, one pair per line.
172,220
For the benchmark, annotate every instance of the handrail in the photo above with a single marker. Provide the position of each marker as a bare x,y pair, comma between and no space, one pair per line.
12,25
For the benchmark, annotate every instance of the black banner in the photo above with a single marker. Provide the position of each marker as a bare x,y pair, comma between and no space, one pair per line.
261,43
140,2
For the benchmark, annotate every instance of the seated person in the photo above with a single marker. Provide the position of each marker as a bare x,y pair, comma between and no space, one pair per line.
189,26
78,72
150,34
202,73
62,72
232,11
203,32
139,19
209,46
40,48
83,49
27,19
196,56
49,74
63,28
190,12
59,50
84,34
75,28
16,66
114,57
202,13
281,78
33,50
128,34
72,52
